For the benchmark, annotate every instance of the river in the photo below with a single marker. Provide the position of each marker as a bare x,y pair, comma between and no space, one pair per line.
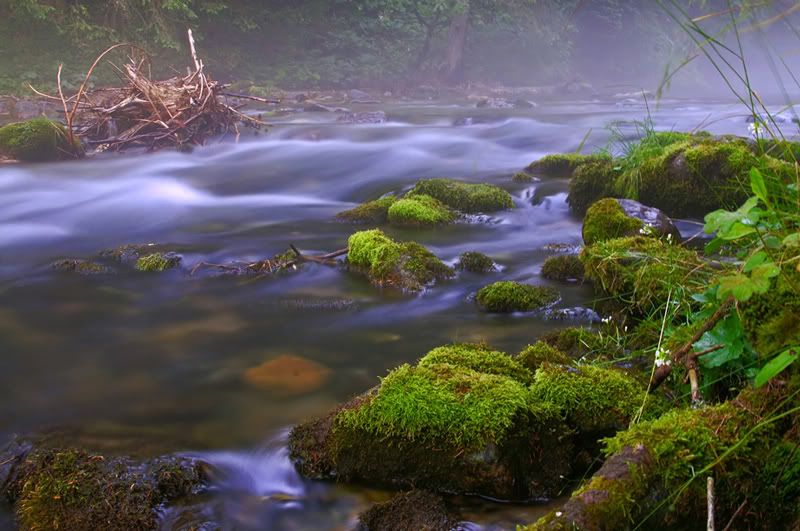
145,364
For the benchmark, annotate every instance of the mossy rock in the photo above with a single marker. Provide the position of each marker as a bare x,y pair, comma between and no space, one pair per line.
372,212
522,177
68,488
480,358
591,182
642,272
475,262
651,474
37,140
507,297
564,165
533,356
564,268
158,262
606,220
80,266
419,210
413,510
465,197
407,266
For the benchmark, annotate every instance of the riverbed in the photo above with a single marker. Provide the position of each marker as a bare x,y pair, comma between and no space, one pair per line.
147,364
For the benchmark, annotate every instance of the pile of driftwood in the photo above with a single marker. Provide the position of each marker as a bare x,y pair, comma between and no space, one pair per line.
177,112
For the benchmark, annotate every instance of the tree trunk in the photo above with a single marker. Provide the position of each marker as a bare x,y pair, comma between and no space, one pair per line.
456,39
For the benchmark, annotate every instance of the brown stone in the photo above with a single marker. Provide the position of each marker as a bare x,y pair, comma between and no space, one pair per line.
287,374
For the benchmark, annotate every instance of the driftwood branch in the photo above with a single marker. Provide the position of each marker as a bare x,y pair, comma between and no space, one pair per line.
273,265
254,98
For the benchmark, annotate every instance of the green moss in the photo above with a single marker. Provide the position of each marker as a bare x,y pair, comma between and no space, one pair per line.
642,272
522,177
157,262
476,263
590,182
577,342
563,165
565,267
419,210
407,266
372,212
772,319
478,358
36,140
591,398
506,297
540,352
465,197
445,403
82,267
605,220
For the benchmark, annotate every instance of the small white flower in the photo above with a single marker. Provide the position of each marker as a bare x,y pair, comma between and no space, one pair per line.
559,514
606,320
669,238
662,357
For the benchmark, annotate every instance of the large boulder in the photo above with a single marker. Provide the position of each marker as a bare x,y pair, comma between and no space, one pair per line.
467,419
37,140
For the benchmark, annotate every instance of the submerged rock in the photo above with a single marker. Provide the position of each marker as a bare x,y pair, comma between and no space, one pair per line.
157,262
467,419
465,197
68,488
287,374
416,510
407,266
82,267
372,212
372,117
475,262
506,297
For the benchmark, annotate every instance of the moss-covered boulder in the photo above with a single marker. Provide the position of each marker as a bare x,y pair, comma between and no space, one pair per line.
416,510
158,262
372,212
655,474
475,262
419,210
522,177
407,266
67,488
467,419
564,268
465,197
590,182
616,218
507,297
642,272
533,356
564,165
37,140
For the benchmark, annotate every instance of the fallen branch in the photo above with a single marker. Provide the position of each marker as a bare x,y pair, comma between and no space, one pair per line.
254,98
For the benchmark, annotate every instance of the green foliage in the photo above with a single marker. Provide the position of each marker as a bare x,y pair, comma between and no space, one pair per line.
419,210
465,197
372,212
507,297
36,140
407,266
606,220
476,263
564,267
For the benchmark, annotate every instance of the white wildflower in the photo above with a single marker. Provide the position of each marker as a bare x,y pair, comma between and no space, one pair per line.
662,357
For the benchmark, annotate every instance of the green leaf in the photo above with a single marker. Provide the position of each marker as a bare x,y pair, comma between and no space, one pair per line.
740,286
775,366
758,185
728,332
756,260
736,230
792,240
761,275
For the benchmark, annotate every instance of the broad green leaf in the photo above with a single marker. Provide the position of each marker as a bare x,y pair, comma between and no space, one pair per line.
740,286
714,245
758,185
735,231
792,240
756,260
729,333
775,366
761,275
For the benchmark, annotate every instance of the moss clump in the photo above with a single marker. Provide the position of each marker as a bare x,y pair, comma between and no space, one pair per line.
372,212
507,297
772,319
540,352
478,358
563,165
407,266
157,262
605,220
641,272
565,267
476,263
465,197
36,140
522,177
82,267
72,489
419,210
414,510
591,398
590,182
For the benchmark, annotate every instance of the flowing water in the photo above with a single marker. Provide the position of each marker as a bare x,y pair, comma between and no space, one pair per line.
155,363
